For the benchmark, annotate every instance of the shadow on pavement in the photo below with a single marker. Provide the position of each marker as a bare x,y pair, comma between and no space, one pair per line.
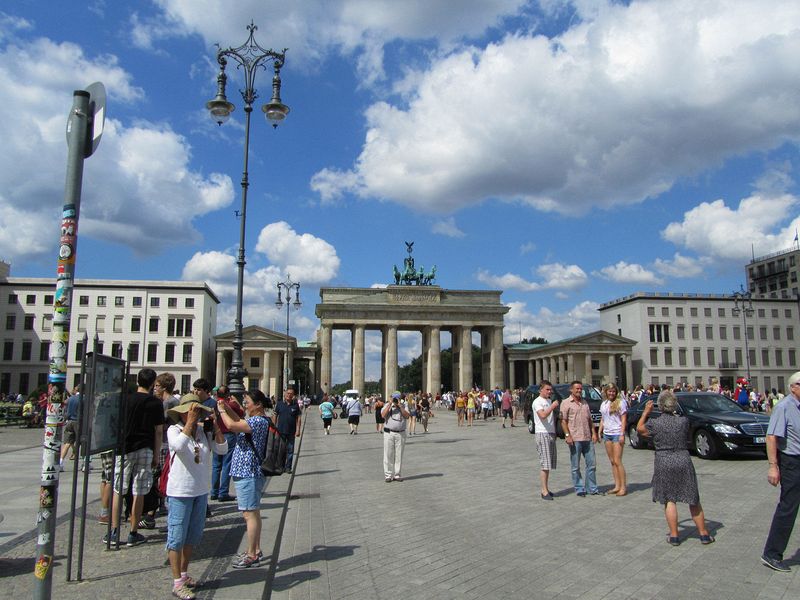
11,567
423,476
290,580
323,472
318,553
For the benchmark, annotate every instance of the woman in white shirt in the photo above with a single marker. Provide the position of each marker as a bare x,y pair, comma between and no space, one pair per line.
191,441
613,420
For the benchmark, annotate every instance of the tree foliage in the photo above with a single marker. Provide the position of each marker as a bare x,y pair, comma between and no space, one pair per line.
534,340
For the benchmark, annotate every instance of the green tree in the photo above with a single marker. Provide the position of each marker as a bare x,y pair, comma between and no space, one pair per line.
409,377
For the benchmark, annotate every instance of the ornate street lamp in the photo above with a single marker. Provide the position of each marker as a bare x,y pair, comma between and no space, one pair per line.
287,286
743,303
249,57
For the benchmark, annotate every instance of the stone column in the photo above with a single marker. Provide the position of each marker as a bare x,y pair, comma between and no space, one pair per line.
357,365
587,368
312,385
552,370
629,372
612,368
390,364
326,341
511,376
486,357
544,368
266,374
220,375
497,359
570,367
434,362
531,377
465,359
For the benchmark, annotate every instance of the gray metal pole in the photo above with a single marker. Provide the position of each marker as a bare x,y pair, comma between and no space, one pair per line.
77,128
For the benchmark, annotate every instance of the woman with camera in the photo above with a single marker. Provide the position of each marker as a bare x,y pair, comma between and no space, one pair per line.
192,439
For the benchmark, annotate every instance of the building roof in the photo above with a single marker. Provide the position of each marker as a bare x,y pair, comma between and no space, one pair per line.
678,296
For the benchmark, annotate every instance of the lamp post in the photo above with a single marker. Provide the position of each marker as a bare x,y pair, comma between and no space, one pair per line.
288,287
743,303
249,57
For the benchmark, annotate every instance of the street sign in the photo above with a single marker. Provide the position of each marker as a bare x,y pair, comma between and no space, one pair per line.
97,104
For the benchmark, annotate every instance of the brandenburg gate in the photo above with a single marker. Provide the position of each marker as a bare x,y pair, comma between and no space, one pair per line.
422,307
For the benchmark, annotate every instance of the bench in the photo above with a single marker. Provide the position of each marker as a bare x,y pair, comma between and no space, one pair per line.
12,415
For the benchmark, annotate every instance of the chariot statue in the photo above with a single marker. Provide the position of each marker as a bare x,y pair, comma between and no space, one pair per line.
411,275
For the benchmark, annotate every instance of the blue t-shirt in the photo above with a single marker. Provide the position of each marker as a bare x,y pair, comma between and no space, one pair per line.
287,417
326,409
244,463
73,406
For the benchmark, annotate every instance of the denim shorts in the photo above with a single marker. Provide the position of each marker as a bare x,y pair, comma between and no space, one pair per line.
613,438
185,521
248,492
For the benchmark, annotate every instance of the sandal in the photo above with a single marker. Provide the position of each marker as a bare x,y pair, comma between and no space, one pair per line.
183,592
189,582
673,541
707,539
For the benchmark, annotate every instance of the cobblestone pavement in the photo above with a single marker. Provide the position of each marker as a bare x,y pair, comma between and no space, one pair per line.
467,522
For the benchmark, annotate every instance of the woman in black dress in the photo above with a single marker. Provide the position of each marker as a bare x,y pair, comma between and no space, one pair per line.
674,478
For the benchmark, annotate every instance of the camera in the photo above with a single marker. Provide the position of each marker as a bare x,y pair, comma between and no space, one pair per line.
208,426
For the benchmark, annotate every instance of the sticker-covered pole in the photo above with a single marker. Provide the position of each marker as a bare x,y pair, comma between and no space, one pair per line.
78,126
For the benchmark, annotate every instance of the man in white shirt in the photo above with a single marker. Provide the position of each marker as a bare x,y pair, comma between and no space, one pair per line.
545,427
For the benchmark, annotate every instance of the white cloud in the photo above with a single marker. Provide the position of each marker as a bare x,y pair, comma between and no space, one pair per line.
527,248
306,258
715,230
554,276
681,266
121,181
448,228
624,272
613,111
551,325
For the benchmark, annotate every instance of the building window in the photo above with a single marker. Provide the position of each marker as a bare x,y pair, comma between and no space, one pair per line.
721,312
189,303
116,350
152,352
654,380
172,302
752,355
186,383
84,301
792,357
776,333
41,380
169,353
100,346
750,334
723,332
44,351
696,357
255,363
709,332
82,322
136,324
5,383
762,333
787,313
664,311
693,311
11,322
100,324
47,323
155,302
659,332
118,324
737,332
137,301
48,299
28,323
30,299
668,357
778,357
679,312
762,313
681,332
711,357
724,358
682,357
12,298
27,347
179,327
133,352
764,357
774,313
119,301
79,351
651,311
695,332
707,312
101,301
653,356
780,382
790,333
153,327
187,353
8,350
738,354
670,380
24,378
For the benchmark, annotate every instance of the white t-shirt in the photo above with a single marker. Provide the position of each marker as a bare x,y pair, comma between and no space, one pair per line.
612,422
188,479
548,424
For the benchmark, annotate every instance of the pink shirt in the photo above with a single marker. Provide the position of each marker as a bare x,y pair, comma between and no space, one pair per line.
578,418
505,402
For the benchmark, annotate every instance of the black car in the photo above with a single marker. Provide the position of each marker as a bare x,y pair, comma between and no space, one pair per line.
717,425
560,391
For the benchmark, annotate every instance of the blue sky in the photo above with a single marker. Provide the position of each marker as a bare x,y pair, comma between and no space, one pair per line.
567,153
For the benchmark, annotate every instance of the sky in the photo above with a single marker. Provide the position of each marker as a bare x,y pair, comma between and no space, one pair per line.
566,153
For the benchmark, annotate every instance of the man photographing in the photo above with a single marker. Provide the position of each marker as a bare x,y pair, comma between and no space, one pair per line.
394,437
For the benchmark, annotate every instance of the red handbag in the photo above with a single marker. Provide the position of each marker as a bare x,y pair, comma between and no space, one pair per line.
163,479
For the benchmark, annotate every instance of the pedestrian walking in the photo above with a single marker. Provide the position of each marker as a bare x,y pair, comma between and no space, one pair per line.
353,409
545,428
674,477
191,441
394,438
613,421
251,443
326,413
461,408
424,412
507,406
783,454
581,436
289,418
379,420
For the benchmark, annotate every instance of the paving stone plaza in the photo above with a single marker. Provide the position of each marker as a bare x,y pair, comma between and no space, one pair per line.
467,522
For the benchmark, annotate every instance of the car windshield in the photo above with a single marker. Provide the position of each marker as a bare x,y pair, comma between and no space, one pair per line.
707,403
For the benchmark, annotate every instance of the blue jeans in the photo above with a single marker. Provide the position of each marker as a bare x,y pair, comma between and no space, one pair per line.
221,468
289,452
587,450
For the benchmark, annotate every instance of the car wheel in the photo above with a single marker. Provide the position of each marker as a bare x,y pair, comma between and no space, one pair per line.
635,438
531,426
704,444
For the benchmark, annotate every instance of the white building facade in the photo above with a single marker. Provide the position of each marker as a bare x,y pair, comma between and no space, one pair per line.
164,325
695,338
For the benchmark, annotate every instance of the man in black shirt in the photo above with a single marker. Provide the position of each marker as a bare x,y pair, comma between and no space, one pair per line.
289,420
144,425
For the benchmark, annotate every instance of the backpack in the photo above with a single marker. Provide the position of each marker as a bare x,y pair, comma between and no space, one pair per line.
274,460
